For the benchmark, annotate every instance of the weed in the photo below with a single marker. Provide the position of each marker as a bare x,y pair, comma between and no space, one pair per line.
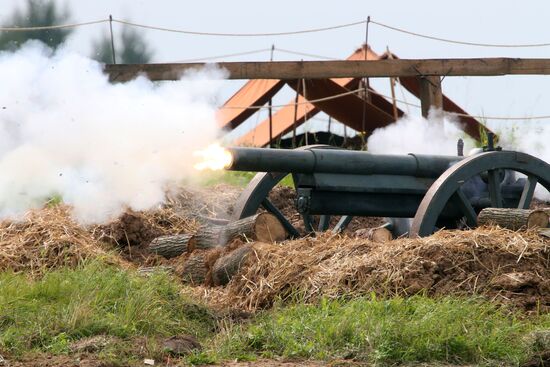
417,329
95,299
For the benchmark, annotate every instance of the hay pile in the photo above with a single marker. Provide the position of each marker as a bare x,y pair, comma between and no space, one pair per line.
500,264
49,238
137,229
46,239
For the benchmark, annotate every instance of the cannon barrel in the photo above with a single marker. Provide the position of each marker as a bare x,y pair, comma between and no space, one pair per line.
341,161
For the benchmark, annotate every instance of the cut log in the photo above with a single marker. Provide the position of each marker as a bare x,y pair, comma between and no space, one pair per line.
207,237
226,266
171,246
263,227
195,268
379,234
214,221
513,219
545,232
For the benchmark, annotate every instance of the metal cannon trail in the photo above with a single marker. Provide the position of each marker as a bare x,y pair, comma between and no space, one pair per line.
417,193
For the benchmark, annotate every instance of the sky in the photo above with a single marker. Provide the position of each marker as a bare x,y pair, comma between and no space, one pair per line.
486,21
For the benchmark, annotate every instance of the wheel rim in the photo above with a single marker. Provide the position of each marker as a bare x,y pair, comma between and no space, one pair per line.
448,186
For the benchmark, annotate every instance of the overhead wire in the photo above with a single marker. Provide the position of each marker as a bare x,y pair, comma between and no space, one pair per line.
221,34
244,53
266,34
298,53
48,27
435,38
335,96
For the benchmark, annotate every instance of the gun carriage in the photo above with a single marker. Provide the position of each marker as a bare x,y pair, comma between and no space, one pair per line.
418,194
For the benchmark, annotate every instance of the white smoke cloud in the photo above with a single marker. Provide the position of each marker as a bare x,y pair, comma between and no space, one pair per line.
532,137
436,135
439,135
65,130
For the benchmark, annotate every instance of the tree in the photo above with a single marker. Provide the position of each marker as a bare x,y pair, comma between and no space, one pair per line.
38,13
130,48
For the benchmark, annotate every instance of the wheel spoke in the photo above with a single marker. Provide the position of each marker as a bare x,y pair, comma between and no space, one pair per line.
494,188
342,223
268,205
465,207
324,222
528,191
308,223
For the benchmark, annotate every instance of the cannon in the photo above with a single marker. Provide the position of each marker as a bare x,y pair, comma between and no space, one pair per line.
417,193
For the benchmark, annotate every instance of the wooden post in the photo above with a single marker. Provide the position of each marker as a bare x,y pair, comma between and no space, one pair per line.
430,94
392,87
294,125
270,107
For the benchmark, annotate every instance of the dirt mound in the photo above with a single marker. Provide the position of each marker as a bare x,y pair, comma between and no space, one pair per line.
502,265
46,239
135,229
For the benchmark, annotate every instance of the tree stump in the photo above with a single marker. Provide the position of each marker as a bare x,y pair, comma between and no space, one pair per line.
195,268
226,266
547,211
379,234
512,218
172,246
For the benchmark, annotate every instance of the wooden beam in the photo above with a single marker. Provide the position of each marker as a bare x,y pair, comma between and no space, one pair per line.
430,94
339,69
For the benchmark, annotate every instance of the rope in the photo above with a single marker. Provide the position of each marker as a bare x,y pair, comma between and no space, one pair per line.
238,34
226,55
480,117
295,104
46,27
306,54
541,117
460,42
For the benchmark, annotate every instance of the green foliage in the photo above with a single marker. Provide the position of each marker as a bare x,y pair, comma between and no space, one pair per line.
130,48
417,329
66,305
54,200
37,13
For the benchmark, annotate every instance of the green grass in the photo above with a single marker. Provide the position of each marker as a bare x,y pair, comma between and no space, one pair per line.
47,315
235,178
95,299
417,329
